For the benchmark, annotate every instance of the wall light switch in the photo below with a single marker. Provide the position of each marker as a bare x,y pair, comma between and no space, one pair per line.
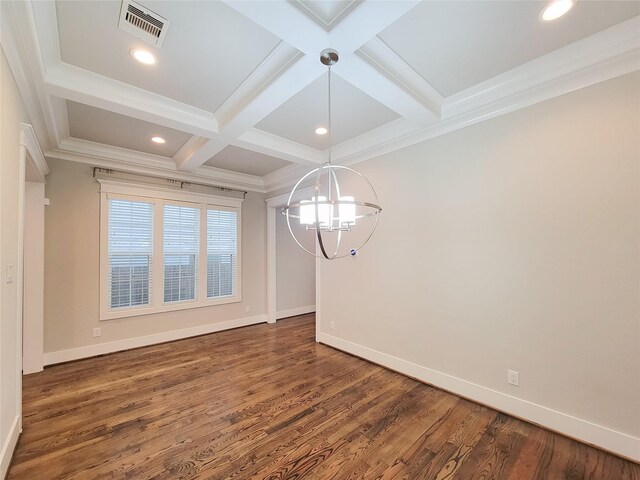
513,378
9,274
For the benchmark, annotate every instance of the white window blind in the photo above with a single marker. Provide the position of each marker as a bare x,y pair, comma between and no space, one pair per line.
130,247
180,246
222,253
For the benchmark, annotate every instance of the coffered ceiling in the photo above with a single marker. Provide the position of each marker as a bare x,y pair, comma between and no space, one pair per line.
238,89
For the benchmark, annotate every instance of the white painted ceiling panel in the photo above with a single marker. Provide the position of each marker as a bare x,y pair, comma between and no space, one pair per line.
209,49
101,126
353,113
457,44
245,161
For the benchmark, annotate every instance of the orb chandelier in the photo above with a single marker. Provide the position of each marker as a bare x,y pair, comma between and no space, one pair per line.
343,211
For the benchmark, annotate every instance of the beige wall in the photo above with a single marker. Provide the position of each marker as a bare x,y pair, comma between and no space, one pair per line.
72,268
12,114
512,244
295,271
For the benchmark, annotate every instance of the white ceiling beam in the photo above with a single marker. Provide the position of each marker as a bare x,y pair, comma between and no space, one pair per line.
198,156
374,83
285,21
368,19
299,74
189,148
303,71
274,145
278,60
390,63
79,85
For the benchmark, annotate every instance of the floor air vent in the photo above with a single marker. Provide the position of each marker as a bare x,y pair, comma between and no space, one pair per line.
142,23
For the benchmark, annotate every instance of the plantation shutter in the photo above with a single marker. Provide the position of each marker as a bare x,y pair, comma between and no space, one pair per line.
130,247
181,244
222,252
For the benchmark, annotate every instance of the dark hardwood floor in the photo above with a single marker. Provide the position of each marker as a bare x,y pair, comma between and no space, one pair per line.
267,402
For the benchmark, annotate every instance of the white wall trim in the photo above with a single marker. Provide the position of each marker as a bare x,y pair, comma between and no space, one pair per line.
271,264
140,189
9,446
60,356
295,311
580,429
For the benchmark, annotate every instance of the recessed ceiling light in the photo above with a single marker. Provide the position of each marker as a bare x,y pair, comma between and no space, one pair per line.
555,9
143,56
321,131
158,140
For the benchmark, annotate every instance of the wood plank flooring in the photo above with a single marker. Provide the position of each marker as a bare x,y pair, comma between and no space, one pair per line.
267,402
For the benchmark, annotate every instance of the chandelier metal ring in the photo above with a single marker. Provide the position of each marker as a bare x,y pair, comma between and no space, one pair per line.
373,210
318,213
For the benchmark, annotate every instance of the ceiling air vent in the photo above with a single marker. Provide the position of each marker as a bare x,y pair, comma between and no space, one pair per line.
143,23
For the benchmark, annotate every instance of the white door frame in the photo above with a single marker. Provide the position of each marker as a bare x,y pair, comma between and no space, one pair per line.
31,351
274,205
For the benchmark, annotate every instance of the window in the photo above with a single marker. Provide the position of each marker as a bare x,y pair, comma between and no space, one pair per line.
181,232
130,252
166,249
222,228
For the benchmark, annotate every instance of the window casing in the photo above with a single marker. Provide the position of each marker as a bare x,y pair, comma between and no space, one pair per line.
164,249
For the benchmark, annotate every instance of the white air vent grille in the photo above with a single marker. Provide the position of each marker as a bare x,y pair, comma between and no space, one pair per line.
142,23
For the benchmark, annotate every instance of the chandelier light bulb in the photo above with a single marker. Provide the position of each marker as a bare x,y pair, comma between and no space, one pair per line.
347,211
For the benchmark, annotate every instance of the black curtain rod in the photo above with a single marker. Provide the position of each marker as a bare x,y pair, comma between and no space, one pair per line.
172,181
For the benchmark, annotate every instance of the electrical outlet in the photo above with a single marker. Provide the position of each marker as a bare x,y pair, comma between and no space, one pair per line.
247,308
332,325
97,332
513,378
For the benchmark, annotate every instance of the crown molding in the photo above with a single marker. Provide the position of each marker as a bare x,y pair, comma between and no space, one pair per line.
372,143
29,140
574,66
131,161
284,177
22,50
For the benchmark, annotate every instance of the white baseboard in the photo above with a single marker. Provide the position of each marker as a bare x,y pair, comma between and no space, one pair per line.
9,446
583,430
135,342
295,311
